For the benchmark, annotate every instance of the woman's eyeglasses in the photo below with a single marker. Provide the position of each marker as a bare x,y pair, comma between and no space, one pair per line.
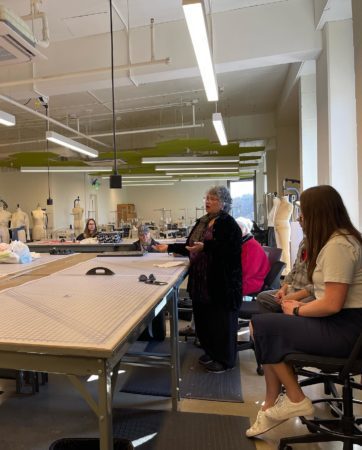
151,279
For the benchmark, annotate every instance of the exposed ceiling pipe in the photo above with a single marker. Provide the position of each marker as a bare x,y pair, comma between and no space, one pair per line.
36,14
126,25
82,73
49,119
100,101
30,141
152,40
149,130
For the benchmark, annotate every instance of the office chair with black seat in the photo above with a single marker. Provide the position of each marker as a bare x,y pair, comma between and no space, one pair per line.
346,427
249,308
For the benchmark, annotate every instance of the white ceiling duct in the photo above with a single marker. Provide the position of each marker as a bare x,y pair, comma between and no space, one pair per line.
17,42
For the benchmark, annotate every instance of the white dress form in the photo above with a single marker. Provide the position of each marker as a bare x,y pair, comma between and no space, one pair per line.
273,211
282,229
271,220
38,216
20,219
77,212
5,217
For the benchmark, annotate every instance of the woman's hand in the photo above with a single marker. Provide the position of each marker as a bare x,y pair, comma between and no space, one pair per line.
162,248
197,247
289,305
281,293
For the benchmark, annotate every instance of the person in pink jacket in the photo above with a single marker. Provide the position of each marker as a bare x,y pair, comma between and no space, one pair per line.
254,260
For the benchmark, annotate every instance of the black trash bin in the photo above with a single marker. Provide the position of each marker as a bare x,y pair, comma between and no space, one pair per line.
89,444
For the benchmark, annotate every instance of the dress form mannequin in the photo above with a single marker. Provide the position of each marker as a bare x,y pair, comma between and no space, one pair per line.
282,229
21,219
271,221
5,217
77,212
38,216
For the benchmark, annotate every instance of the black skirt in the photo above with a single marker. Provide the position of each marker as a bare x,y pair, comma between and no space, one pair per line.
276,335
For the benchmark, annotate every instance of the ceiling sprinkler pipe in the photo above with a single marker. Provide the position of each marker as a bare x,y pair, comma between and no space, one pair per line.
42,116
82,73
36,14
148,130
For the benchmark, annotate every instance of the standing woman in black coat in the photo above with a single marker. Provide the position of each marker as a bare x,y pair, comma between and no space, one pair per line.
214,284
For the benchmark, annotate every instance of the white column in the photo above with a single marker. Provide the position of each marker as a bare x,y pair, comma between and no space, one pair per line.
336,114
308,131
357,40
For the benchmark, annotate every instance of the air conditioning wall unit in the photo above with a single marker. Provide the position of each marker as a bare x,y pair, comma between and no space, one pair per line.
17,42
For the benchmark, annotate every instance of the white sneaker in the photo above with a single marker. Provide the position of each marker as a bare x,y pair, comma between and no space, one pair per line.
284,409
262,425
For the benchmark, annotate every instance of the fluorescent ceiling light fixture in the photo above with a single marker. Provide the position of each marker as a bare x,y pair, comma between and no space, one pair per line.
247,169
7,119
65,169
148,184
204,173
150,177
256,143
210,179
219,128
130,177
192,167
196,23
252,154
250,161
64,141
149,180
191,160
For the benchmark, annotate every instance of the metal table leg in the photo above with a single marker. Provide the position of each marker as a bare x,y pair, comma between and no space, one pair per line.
175,354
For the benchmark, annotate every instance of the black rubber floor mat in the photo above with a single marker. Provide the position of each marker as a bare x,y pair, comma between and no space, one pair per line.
165,430
196,381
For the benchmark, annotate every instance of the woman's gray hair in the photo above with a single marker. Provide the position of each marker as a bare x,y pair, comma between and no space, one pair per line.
223,194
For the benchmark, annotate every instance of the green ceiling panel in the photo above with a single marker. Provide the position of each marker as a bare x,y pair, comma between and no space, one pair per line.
133,158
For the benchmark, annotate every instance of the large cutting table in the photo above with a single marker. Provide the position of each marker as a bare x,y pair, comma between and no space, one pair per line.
78,324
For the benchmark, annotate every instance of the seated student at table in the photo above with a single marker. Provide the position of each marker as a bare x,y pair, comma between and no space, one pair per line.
90,230
145,241
254,261
327,326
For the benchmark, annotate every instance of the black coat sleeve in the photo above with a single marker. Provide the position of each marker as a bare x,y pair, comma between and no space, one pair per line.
224,277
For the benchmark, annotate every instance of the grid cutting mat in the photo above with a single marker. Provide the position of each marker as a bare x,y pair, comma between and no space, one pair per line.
78,315
128,267
13,269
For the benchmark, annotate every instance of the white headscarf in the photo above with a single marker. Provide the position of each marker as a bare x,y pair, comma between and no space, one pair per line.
245,225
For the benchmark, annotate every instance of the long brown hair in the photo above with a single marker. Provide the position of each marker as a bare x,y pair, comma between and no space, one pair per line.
86,232
323,213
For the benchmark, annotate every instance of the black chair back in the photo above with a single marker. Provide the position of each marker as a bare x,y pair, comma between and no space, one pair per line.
273,253
272,280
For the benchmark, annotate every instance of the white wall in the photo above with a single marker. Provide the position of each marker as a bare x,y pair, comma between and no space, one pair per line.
30,189
187,195
287,155
357,41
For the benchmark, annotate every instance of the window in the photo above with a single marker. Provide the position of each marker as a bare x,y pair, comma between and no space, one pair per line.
242,193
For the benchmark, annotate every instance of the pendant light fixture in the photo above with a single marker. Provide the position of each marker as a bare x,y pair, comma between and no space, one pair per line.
196,23
115,180
45,102
219,128
7,119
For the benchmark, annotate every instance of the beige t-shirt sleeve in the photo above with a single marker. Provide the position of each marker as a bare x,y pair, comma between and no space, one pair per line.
338,262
